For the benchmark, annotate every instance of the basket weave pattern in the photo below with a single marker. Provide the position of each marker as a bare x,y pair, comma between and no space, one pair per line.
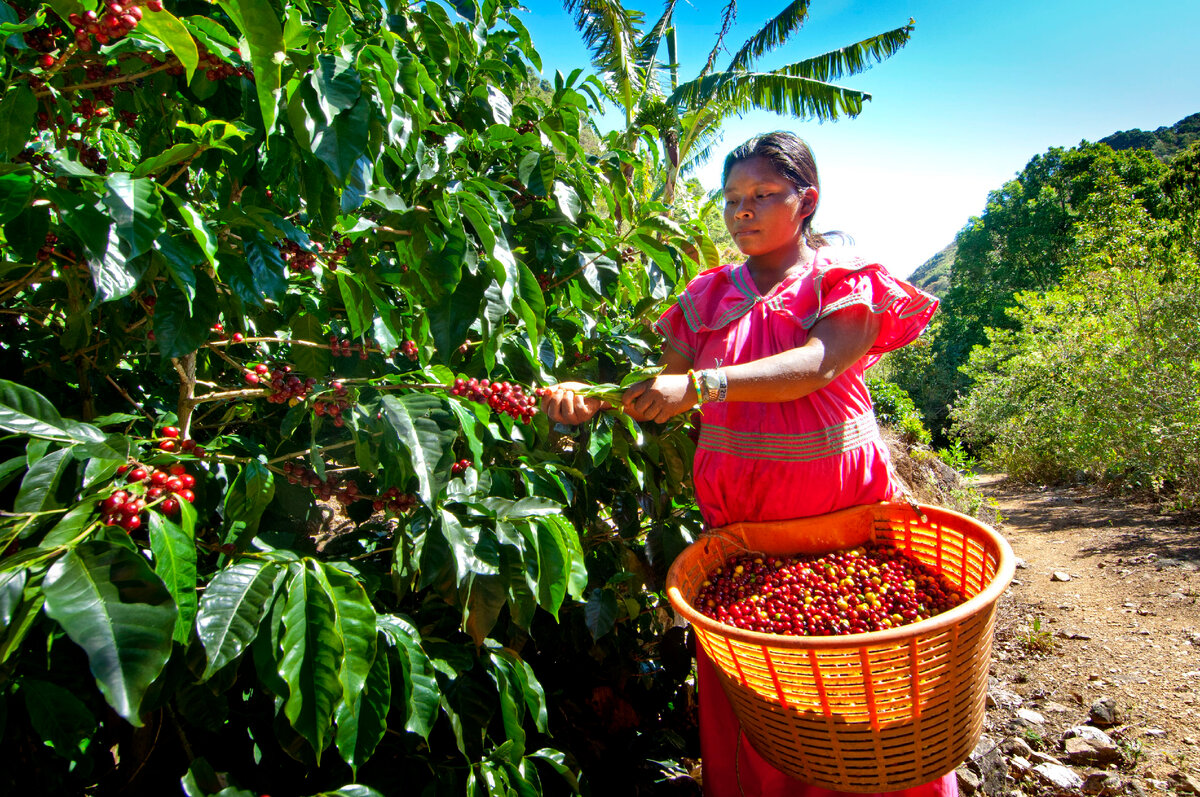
872,712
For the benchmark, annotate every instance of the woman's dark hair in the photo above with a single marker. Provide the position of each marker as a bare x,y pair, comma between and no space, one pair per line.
790,156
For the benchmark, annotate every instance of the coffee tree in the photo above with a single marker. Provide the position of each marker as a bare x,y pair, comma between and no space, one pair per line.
279,282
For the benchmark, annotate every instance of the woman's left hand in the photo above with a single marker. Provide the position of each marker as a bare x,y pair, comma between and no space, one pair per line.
660,398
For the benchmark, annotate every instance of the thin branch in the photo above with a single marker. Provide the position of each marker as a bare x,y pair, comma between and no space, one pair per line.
128,397
110,82
227,395
307,451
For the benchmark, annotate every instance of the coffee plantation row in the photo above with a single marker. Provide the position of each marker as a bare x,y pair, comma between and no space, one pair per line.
372,580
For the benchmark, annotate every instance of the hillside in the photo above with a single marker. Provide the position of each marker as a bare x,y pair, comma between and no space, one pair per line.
933,276
1165,142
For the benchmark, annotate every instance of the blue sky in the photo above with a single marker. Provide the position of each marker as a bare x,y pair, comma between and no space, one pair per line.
980,89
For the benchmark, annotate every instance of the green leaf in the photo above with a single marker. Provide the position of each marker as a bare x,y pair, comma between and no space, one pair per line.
553,568
59,717
337,83
311,653
601,612
174,549
234,605
166,27
267,267
486,596
79,213
422,425
27,412
451,318
41,482
180,326
260,25
355,623
567,200
112,605
198,226
15,190
510,686
361,726
357,303
558,762
343,141
176,154
136,210
18,110
12,588
421,693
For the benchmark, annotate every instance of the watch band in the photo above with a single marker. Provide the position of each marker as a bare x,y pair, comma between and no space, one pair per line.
723,387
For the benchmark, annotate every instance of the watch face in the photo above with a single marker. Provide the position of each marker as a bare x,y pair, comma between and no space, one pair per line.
711,383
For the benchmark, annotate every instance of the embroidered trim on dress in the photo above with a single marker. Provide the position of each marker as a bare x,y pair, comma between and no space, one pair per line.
831,441
675,343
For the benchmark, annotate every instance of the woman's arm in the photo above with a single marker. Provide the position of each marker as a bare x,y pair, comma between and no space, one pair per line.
833,345
563,405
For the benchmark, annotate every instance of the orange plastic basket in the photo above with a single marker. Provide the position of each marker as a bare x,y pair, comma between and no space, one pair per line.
882,711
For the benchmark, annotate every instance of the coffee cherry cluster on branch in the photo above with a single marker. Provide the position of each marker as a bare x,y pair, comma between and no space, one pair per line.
460,467
335,407
112,23
286,387
345,493
500,396
124,508
340,347
869,588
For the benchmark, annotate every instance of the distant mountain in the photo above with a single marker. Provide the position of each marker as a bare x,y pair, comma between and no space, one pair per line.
933,276
1164,142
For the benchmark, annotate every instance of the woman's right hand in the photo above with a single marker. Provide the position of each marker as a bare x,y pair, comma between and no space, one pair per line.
563,405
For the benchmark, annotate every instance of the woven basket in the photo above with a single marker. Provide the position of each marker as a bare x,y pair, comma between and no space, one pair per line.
881,711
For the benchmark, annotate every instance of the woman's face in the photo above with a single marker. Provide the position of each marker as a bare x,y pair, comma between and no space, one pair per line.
763,211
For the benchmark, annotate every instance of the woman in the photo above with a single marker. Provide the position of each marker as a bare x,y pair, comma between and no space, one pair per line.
774,350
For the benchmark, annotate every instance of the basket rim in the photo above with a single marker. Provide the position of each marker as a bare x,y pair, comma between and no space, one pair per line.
1005,570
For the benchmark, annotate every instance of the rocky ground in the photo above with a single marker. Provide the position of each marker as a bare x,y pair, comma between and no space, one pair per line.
1095,682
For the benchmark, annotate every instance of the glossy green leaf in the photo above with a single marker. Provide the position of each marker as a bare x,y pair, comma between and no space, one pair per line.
174,549
421,424
558,762
180,326
15,191
341,142
601,612
41,482
166,27
355,622
232,609
12,588
362,724
259,23
311,652
266,266
421,692
18,110
60,718
136,210
25,411
511,680
486,596
112,605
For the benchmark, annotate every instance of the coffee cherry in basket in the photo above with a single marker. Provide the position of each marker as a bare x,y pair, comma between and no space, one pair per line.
870,588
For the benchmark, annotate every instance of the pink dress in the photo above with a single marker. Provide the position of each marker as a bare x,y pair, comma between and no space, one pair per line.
777,461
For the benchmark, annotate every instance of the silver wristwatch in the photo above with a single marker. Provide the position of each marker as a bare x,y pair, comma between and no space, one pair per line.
713,384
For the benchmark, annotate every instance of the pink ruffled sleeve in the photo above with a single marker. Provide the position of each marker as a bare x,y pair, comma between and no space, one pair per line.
903,309
676,333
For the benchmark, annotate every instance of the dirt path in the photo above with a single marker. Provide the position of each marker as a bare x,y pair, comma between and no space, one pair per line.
1126,625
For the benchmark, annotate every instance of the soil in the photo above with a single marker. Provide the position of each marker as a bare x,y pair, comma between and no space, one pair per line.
1126,626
